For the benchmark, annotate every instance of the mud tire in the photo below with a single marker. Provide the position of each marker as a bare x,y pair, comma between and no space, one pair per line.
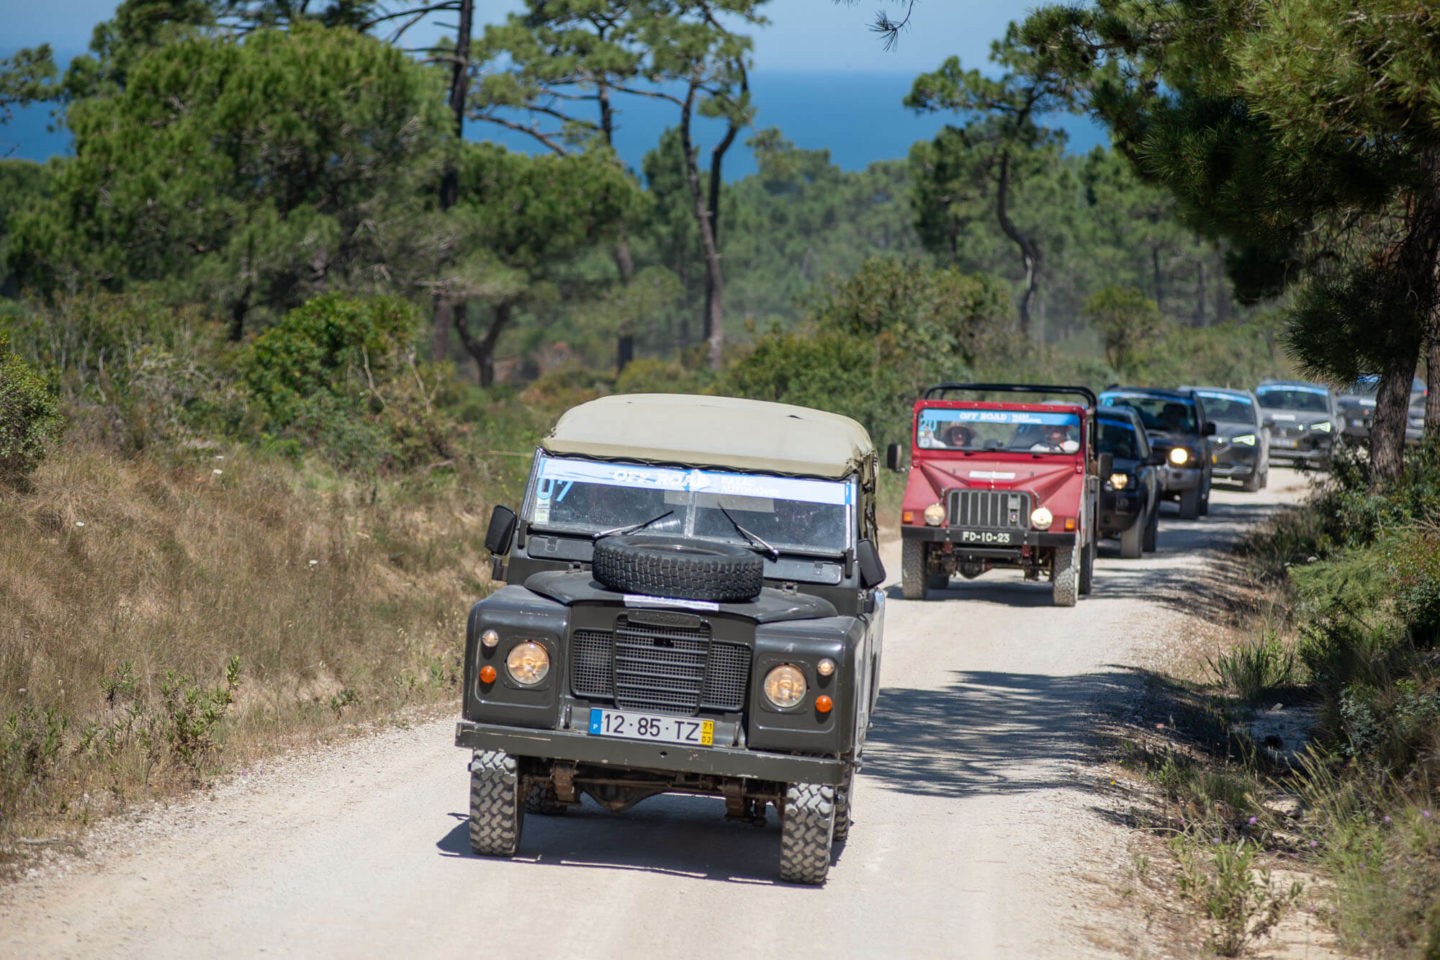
1087,566
497,808
807,833
1064,579
684,569
912,570
541,799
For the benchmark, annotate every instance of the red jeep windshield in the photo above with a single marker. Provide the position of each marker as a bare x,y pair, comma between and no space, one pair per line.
1012,431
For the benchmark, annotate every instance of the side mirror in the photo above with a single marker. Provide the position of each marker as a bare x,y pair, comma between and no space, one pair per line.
502,530
1107,465
894,456
872,571
1210,428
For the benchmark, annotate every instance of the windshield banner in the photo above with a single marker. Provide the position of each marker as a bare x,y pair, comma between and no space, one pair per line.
998,416
695,481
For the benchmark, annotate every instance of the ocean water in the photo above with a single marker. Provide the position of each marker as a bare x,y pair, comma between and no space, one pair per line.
858,117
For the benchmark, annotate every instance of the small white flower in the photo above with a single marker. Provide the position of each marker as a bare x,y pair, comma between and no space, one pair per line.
217,472
79,523
314,562
219,456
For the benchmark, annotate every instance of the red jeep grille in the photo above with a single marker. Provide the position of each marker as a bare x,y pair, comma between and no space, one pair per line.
990,509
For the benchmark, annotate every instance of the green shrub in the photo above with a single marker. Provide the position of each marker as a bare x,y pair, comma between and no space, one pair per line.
29,417
340,377
1255,667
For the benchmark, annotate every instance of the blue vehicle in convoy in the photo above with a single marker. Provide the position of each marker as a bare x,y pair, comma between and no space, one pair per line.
1179,430
1304,420
1240,449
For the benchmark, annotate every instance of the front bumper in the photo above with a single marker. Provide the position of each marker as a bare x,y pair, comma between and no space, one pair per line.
1304,450
988,538
1120,510
1179,479
577,747
1236,462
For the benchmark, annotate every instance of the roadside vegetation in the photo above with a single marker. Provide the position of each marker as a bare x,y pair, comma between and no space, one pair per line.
1336,604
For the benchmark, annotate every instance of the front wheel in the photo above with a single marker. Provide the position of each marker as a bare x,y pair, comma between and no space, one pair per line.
843,797
1152,529
1087,567
497,808
1254,482
1063,578
807,833
912,570
1205,497
1190,503
1132,539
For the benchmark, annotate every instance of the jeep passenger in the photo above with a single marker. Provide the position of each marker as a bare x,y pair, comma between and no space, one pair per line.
691,607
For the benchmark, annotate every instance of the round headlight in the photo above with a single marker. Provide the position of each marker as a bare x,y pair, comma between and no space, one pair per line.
1042,518
785,686
934,515
1178,456
527,663
1119,480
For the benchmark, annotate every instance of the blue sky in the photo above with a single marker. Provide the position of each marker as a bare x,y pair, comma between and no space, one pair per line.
804,35
821,75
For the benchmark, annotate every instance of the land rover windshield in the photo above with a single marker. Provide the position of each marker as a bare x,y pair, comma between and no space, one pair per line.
1011,431
792,514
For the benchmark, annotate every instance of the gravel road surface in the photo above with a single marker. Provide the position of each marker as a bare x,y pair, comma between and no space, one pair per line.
979,831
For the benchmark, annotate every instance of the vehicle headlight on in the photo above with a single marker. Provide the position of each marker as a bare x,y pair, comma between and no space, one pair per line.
825,667
490,638
1042,518
785,686
1245,440
1119,481
527,663
1179,456
1324,426
934,515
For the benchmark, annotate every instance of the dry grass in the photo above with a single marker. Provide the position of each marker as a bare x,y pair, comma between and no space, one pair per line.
128,586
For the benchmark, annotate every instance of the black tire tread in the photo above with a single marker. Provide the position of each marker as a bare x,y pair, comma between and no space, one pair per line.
657,567
807,833
1064,579
912,570
497,810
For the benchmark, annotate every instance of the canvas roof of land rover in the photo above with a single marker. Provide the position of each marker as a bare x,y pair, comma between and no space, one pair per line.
750,435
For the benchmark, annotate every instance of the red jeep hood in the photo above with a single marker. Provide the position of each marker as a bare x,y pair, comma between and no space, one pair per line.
1046,479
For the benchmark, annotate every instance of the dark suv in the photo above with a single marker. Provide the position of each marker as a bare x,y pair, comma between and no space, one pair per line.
1304,420
1179,430
1241,448
693,607
1130,495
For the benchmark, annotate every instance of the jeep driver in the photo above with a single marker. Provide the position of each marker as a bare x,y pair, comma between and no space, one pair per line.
691,607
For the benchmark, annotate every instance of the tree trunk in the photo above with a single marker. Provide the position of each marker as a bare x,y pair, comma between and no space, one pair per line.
483,350
1387,434
714,330
442,317
1432,376
1200,294
1029,251
1155,272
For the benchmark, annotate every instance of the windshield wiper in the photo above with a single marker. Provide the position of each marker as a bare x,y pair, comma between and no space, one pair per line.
755,539
630,528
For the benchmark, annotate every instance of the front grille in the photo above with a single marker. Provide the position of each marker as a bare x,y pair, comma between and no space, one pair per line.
664,668
995,509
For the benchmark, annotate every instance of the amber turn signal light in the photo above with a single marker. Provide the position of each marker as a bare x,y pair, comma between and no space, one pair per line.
824,704
907,516
487,674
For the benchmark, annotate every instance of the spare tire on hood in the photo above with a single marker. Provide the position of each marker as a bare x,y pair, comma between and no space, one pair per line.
658,566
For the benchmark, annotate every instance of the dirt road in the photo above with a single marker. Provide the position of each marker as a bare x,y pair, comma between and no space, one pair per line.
978,830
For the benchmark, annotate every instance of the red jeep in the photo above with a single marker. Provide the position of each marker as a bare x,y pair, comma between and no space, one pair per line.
1001,484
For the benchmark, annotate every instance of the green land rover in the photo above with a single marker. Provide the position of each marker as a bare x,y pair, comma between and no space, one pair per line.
692,606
